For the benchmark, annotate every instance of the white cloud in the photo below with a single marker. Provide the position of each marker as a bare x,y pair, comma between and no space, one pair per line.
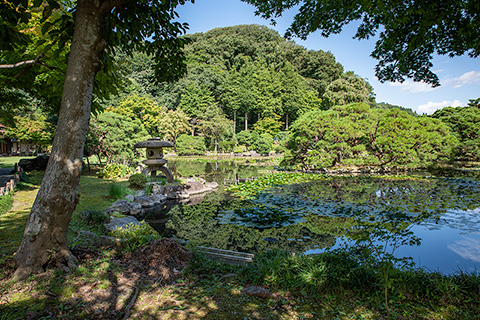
431,106
471,77
412,87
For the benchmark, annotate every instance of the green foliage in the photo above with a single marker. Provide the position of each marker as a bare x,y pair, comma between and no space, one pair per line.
263,144
113,135
95,216
173,124
465,124
137,181
355,134
6,203
446,28
280,142
214,125
350,88
190,145
114,171
117,191
271,125
311,274
135,235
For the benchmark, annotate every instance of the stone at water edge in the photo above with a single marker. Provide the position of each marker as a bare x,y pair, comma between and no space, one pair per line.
120,206
120,222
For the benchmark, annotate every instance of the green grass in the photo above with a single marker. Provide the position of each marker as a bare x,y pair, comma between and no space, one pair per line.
6,202
9,162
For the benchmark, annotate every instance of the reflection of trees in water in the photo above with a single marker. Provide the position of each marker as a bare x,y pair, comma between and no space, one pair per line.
375,198
336,205
198,225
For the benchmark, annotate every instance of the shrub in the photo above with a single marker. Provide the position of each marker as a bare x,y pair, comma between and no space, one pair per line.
135,235
114,171
190,145
137,181
263,144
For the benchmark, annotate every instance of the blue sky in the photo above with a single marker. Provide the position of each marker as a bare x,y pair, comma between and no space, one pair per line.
459,76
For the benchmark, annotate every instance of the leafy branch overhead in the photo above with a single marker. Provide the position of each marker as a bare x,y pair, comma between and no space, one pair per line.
408,33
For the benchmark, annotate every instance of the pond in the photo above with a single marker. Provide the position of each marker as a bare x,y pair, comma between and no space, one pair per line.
435,221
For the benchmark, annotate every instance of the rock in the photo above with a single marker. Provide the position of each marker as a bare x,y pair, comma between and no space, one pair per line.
110,241
136,209
258,292
156,188
196,179
194,187
211,185
129,197
120,206
158,198
145,201
171,188
38,163
120,223
139,193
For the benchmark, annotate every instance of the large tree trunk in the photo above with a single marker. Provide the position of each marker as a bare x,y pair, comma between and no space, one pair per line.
45,239
234,122
246,120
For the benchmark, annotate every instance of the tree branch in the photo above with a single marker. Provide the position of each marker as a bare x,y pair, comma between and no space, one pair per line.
28,64
22,63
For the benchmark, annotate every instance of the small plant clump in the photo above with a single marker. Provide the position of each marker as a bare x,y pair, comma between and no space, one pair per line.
135,235
117,191
137,181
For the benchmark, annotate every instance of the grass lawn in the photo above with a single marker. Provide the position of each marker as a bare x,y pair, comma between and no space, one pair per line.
112,284
9,162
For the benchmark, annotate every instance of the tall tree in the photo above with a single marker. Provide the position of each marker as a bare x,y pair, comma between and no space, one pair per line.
410,32
99,27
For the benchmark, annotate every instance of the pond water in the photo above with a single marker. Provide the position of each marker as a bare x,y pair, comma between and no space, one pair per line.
435,221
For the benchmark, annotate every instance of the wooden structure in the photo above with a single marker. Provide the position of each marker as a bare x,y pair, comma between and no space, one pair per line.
226,256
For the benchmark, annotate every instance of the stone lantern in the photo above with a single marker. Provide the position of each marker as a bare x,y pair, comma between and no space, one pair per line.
155,161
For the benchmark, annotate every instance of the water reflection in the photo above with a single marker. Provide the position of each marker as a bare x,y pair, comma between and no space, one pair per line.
442,214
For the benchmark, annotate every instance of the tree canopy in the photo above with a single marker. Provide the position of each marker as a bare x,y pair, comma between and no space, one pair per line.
409,32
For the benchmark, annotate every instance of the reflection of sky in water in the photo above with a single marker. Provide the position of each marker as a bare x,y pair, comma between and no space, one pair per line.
467,221
446,250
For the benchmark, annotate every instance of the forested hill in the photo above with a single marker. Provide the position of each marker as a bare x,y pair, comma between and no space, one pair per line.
251,73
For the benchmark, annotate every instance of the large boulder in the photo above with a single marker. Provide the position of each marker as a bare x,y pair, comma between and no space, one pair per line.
38,163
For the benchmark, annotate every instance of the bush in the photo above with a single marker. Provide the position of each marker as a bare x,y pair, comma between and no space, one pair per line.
137,181
190,145
135,235
114,171
263,144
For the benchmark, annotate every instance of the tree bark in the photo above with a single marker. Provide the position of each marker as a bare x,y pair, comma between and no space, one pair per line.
234,122
44,241
246,120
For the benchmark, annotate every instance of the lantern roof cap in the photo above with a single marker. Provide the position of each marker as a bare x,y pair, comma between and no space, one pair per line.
154,142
